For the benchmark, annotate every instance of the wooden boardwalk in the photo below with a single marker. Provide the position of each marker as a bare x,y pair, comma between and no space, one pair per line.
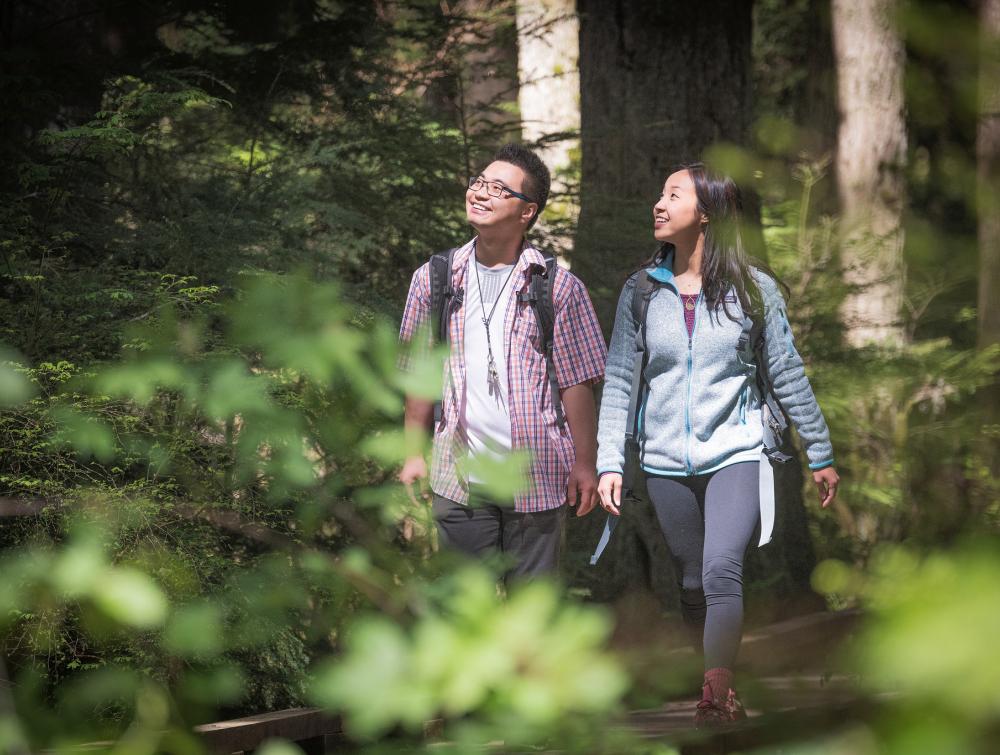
785,683
788,682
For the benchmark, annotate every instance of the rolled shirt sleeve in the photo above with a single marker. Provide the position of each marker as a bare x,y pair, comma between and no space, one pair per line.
416,317
577,345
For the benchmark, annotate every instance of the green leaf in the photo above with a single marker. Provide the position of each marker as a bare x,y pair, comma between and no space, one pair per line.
278,747
15,388
79,568
85,433
195,630
140,380
394,446
130,597
503,477
424,376
231,390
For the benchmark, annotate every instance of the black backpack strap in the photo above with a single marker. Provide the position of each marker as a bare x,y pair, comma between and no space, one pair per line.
442,293
645,287
442,297
539,295
643,292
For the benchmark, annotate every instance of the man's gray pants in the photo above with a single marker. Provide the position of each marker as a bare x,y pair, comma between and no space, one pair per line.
531,540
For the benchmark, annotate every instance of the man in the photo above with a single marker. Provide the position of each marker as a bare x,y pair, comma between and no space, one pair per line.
497,397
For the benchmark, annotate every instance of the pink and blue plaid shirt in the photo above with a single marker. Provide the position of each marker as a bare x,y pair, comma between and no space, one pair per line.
579,354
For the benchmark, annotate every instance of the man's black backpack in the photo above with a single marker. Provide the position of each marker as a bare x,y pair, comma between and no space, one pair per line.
538,295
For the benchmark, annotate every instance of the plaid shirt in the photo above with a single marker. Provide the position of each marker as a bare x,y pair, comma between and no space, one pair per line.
579,354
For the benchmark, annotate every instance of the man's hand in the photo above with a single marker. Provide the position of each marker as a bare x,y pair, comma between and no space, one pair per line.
582,482
414,472
826,480
609,489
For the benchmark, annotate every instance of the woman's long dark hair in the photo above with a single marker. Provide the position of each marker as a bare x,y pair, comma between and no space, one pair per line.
725,264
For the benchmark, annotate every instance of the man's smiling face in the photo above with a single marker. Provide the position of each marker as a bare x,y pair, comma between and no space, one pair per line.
484,212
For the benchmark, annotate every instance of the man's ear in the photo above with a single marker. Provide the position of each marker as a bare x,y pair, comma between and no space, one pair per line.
530,211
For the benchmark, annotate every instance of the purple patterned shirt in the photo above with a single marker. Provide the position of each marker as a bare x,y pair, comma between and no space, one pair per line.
690,302
579,353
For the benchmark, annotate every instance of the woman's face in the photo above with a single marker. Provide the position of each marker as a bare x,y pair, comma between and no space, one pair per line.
675,215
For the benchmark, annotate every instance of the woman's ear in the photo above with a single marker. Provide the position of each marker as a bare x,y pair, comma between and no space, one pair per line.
704,219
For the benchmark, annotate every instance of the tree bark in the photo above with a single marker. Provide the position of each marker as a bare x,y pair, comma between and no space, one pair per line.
548,52
871,153
988,165
487,79
660,82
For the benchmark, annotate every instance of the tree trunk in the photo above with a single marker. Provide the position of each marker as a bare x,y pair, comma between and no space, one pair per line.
988,163
487,79
660,82
549,97
871,152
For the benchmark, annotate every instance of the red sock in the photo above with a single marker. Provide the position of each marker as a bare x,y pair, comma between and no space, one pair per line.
718,682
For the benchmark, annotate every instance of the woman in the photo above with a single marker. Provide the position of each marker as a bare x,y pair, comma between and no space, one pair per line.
699,422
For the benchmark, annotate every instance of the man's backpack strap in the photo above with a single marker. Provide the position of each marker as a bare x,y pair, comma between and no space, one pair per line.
442,296
539,295
442,293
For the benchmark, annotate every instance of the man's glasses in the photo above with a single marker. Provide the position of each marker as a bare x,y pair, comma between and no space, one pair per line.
495,188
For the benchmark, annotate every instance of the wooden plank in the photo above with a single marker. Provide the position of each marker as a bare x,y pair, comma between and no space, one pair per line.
305,725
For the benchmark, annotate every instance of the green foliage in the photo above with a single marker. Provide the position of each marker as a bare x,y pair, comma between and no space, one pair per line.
927,646
525,665
898,416
247,530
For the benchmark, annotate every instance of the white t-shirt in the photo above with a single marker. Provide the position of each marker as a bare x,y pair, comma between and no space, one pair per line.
485,410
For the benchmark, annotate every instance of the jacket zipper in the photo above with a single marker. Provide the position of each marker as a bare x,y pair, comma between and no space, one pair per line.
690,379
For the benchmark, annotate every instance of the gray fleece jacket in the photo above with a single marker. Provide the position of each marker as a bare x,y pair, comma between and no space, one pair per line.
701,410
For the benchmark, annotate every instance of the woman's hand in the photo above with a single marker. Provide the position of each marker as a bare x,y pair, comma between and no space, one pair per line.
826,480
609,490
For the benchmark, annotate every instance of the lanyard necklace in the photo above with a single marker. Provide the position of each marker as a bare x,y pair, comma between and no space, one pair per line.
492,374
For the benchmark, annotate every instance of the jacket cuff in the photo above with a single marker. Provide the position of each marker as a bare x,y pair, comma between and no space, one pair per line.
821,464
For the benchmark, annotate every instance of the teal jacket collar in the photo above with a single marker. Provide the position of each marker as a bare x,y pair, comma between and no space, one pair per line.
664,272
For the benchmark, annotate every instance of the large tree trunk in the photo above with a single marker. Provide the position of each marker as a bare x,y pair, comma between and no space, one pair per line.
660,82
871,153
988,162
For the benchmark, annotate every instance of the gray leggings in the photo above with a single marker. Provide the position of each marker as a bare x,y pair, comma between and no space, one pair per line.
708,521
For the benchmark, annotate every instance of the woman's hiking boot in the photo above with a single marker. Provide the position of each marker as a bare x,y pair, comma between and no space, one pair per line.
719,706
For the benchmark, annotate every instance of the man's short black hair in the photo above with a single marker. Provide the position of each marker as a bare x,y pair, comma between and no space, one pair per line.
536,176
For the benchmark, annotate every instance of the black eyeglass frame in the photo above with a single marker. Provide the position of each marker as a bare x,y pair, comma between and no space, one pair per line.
476,179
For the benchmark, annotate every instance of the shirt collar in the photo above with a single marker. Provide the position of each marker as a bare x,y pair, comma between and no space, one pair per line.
528,256
664,272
